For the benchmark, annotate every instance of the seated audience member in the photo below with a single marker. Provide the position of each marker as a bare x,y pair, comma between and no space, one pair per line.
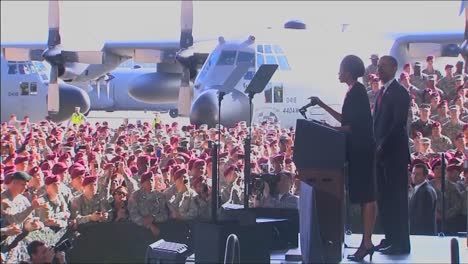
284,198
88,207
40,253
119,205
184,204
147,206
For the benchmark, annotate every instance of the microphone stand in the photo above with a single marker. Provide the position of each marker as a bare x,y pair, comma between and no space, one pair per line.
247,149
303,113
442,222
215,198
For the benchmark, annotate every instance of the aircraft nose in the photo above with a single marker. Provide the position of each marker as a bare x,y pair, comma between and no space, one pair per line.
70,97
234,108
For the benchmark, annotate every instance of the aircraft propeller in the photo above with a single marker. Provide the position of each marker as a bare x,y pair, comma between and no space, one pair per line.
186,41
54,55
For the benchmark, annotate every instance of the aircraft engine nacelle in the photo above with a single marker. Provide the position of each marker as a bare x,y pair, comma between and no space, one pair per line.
155,87
70,97
234,108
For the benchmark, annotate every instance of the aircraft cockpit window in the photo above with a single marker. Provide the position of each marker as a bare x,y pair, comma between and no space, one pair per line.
277,49
24,88
33,88
227,57
267,49
246,57
12,68
270,59
32,68
23,68
260,60
283,63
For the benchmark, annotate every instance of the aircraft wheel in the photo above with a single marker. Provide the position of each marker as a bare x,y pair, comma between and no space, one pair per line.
174,113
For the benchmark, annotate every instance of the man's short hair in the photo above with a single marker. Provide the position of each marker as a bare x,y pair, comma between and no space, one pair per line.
424,168
391,60
33,246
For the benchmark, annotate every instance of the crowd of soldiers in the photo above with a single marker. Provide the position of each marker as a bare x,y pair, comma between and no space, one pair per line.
437,125
58,177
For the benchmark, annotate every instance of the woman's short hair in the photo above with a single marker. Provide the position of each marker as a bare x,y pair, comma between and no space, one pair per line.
354,65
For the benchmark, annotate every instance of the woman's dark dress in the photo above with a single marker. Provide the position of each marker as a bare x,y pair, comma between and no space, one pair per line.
360,145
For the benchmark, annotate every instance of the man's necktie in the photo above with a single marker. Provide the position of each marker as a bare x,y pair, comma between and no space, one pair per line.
379,98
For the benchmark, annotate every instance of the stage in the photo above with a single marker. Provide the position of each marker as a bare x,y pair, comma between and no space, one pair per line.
424,249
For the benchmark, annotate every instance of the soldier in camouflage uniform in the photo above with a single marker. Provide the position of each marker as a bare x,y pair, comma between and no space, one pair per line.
440,143
371,69
55,214
424,123
442,113
417,78
232,193
447,83
455,125
184,204
430,70
452,197
16,209
148,207
88,206
374,89
425,152
414,91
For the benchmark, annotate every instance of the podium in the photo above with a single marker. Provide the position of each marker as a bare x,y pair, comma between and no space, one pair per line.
320,158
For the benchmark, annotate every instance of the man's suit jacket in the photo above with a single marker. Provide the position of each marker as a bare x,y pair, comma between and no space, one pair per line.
422,211
390,119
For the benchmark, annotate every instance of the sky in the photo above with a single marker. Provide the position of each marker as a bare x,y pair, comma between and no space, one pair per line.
87,24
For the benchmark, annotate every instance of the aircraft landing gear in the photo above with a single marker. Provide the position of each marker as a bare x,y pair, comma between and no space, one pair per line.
173,113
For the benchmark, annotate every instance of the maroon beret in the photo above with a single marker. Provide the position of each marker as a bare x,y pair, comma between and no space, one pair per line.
179,174
88,180
21,159
278,158
33,170
77,172
59,168
51,156
45,166
51,179
146,176
198,163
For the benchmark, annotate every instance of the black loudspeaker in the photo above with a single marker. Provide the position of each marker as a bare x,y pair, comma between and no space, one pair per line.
162,252
282,224
209,241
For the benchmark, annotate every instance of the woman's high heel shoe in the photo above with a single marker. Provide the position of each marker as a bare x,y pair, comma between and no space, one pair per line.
361,253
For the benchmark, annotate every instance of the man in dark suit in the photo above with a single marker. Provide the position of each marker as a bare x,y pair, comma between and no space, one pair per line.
422,205
393,156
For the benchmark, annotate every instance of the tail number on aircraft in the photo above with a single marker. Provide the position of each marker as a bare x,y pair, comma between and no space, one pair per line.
290,110
13,94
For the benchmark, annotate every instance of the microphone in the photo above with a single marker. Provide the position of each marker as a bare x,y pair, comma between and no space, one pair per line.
304,108
313,102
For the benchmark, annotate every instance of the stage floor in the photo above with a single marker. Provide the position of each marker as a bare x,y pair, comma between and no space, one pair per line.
424,249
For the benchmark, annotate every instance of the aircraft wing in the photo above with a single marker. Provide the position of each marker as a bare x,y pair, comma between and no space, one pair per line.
160,51
416,46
